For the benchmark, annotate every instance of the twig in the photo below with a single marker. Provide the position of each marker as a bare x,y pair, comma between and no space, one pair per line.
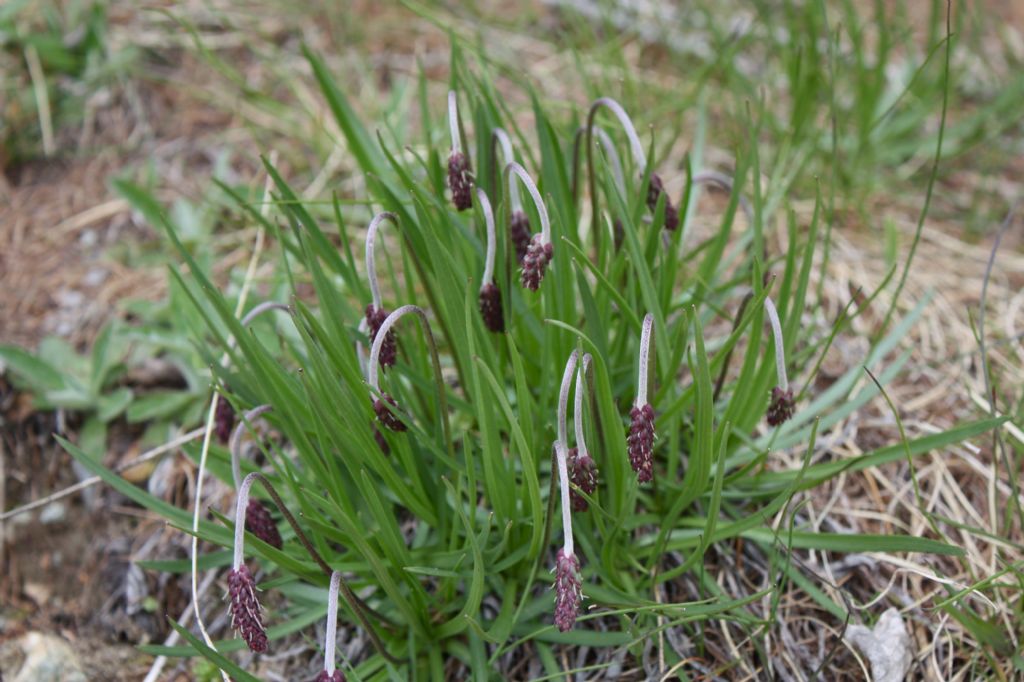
35,72
93,480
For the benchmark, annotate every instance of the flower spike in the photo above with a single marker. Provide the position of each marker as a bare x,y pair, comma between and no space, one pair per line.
375,312
539,251
330,673
582,470
782,405
655,187
257,517
459,172
246,613
568,583
384,406
518,222
641,429
490,295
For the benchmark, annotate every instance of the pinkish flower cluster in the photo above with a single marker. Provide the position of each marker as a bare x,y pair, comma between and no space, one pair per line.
246,613
640,442
338,676
568,590
384,411
374,319
519,233
223,420
781,407
654,190
583,475
535,262
259,522
459,181
490,308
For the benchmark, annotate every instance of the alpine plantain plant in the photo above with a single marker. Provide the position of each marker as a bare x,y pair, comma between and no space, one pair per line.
422,486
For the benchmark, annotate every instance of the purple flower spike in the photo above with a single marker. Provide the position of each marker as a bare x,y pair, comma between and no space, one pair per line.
535,263
490,308
782,406
245,609
386,415
382,442
324,676
459,181
519,233
223,420
655,189
641,442
583,475
259,522
568,590
374,319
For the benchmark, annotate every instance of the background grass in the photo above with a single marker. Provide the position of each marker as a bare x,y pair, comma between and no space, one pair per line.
835,112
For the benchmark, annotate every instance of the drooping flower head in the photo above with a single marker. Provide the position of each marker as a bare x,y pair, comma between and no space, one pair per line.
258,520
518,222
223,420
723,181
330,673
655,187
375,311
640,441
582,469
460,174
385,406
568,584
782,404
490,295
539,251
246,613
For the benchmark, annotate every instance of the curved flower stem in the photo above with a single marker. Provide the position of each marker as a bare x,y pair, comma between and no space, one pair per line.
514,168
262,308
578,400
373,378
358,606
371,266
637,149
609,151
562,450
780,351
331,635
498,135
485,206
453,121
723,181
646,340
236,439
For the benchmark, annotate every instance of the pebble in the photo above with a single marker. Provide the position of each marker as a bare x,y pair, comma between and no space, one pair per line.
48,658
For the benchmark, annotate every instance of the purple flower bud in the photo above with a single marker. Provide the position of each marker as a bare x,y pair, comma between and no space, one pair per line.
583,475
374,319
535,263
568,590
782,406
259,522
338,676
245,609
654,190
382,442
490,308
386,415
641,442
223,420
519,233
459,181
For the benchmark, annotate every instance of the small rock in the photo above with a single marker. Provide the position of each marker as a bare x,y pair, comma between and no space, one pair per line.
887,647
48,659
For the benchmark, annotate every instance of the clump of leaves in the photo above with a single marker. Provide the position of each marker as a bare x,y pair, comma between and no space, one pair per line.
449,532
